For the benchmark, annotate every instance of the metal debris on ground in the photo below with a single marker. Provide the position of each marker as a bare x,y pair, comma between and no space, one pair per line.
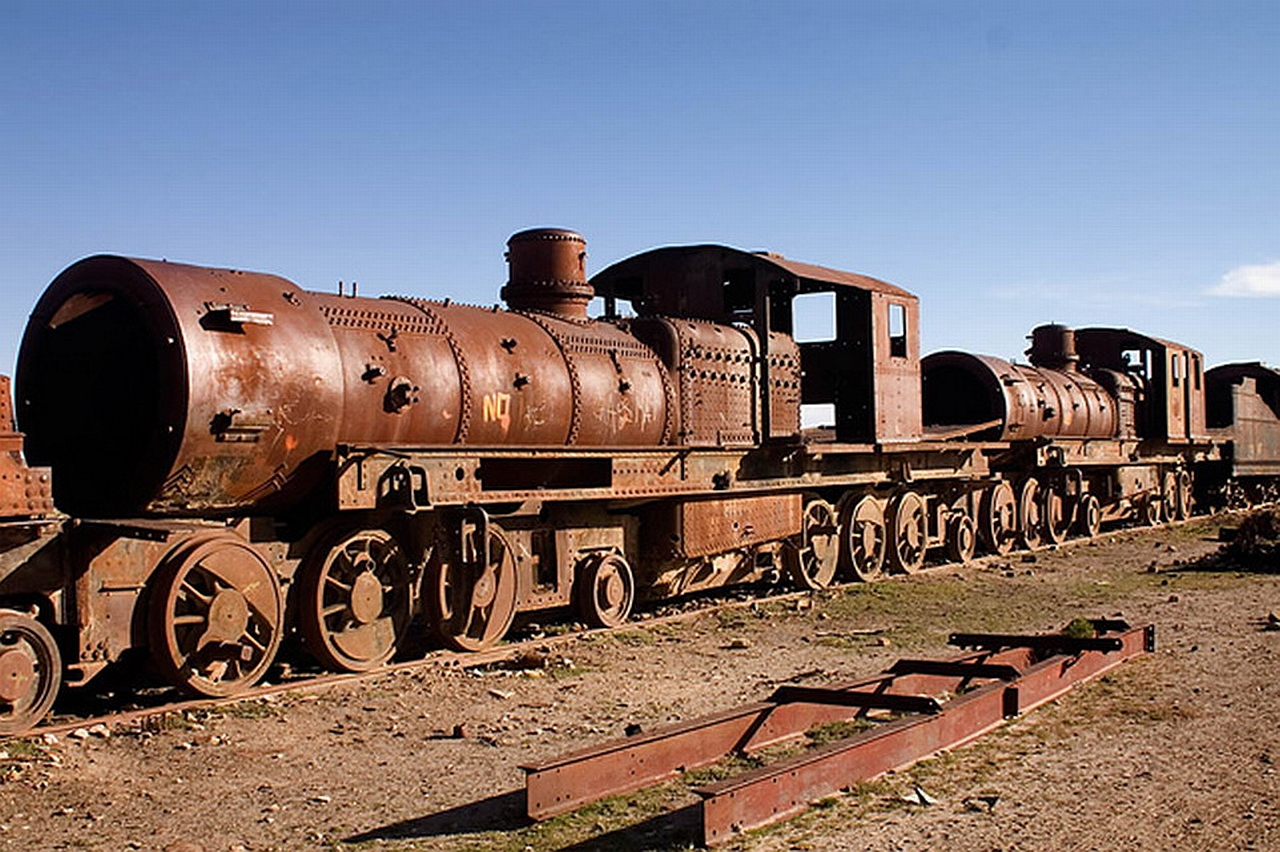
915,709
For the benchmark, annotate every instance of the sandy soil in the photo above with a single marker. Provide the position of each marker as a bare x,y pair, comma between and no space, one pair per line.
1176,751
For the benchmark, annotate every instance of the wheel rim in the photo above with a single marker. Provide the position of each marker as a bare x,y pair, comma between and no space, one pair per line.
1150,510
910,537
30,672
961,539
1169,496
999,518
1185,495
606,590
475,602
863,538
813,558
355,601
1090,515
1030,523
1056,518
216,616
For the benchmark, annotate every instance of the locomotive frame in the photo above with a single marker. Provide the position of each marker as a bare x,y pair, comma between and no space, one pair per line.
463,465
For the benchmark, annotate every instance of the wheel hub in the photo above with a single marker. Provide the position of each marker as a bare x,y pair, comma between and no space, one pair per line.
366,598
486,587
17,672
913,534
612,591
228,616
867,535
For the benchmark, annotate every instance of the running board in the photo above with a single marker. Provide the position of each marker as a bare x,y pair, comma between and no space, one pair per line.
937,705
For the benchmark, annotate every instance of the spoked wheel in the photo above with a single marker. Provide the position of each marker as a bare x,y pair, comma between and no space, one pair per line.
862,537
1056,514
812,556
604,590
999,518
908,533
474,590
30,672
1186,495
962,538
354,599
216,616
1030,519
1169,496
1089,515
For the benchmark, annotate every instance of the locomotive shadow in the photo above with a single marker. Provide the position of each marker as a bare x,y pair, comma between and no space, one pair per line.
505,812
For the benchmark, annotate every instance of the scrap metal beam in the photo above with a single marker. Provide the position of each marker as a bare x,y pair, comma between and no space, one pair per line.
985,689
779,790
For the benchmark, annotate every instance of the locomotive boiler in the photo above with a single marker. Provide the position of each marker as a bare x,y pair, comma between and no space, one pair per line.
158,388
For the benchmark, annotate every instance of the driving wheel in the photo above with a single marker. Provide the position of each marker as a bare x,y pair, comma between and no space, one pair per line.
862,537
1030,520
354,599
999,517
812,556
216,615
473,591
908,533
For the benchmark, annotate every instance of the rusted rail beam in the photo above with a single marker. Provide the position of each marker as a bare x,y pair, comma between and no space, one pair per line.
997,684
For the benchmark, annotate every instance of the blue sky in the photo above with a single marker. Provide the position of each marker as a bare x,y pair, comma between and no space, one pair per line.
1013,163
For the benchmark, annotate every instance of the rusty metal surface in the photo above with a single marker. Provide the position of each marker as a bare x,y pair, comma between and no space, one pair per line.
215,391
196,389
25,492
1029,402
983,697
692,528
1243,401
871,378
548,273
1171,375
714,368
690,280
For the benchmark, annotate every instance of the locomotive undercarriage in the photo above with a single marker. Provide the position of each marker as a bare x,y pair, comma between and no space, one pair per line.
439,547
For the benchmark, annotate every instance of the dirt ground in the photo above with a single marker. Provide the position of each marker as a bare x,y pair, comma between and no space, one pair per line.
1175,751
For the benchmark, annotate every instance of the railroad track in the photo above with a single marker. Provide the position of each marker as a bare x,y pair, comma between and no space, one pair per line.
168,702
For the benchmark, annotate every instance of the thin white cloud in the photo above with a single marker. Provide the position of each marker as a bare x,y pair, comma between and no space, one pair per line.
1257,280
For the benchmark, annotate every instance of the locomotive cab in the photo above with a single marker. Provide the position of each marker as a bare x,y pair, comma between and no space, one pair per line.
857,338
1171,408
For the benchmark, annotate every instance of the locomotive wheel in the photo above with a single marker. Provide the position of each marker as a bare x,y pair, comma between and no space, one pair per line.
1089,515
908,533
604,590
999,518
474,602
1186,495
354,603
1169,496
1057,516
812,557
962,538
216,616
862,537
1030,518
1149,509
30,672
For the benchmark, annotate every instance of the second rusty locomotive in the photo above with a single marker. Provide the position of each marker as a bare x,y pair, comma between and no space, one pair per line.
236,459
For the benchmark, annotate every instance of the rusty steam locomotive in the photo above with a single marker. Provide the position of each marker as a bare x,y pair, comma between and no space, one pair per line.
219,459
